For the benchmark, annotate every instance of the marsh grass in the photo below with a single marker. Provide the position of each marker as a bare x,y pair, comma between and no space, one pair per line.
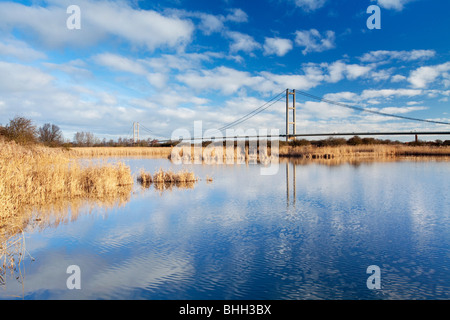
39,186
151,152
36,176
220,154
362,152
163,180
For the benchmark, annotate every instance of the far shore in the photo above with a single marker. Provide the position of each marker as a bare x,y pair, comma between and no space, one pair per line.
285,151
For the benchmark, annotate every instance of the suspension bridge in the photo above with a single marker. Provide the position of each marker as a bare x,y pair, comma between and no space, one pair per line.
291,122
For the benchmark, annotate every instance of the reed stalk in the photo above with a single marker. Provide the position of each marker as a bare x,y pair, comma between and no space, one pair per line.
35,176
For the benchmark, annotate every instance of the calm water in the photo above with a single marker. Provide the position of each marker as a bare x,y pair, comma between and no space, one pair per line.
308,232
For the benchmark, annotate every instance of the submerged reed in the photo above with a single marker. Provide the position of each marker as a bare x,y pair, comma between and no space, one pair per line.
166,179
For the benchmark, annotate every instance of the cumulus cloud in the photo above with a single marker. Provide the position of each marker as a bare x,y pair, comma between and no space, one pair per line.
339,70
236,15
401,110
20,50
100,21
230,81
297,81
19,78
277,46
210,23
310,5
119,63
392,4
383,55
313,41
224,79
242,42
323,110
423,76
387,93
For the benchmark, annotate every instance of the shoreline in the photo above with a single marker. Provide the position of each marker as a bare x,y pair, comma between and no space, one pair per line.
301,152
362,152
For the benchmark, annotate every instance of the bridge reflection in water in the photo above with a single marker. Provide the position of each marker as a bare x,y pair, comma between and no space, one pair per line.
291,169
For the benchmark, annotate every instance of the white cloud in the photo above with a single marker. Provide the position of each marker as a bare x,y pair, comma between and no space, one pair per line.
323,110
401,110
210,23
339,96
338,70
224,79
18,78
387,93
277,46
313,41
119,63
311,78
100,20
20,50
158,80
230,81
237,15
423,76
398,78
310,5
75,68
242,42
383,55
179,61
392,4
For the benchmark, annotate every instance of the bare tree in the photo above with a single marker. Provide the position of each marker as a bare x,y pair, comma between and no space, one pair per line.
85,139
50,134
21,130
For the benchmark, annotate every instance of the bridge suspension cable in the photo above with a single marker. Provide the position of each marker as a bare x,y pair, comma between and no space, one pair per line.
151,132
368,110
254,112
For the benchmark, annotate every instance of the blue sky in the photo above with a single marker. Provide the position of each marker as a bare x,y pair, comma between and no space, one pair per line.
169,63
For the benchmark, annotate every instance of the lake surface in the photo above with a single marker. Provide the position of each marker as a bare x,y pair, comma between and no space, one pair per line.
310,231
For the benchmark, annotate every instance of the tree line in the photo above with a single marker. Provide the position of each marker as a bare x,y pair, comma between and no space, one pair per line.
23,131
356,141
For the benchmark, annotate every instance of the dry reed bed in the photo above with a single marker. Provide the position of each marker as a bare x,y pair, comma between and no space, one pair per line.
160,152
224,155
36,176
39,186
362,152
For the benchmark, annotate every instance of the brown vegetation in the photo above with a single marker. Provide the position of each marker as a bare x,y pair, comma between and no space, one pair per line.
166,179
362,151
157,152
34,176
40,185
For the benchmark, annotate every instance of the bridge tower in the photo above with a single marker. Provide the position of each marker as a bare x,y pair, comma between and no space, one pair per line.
288,108
135,132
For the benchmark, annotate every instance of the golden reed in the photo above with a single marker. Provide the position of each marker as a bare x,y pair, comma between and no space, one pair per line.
163,180
35,176
158,152
363,152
